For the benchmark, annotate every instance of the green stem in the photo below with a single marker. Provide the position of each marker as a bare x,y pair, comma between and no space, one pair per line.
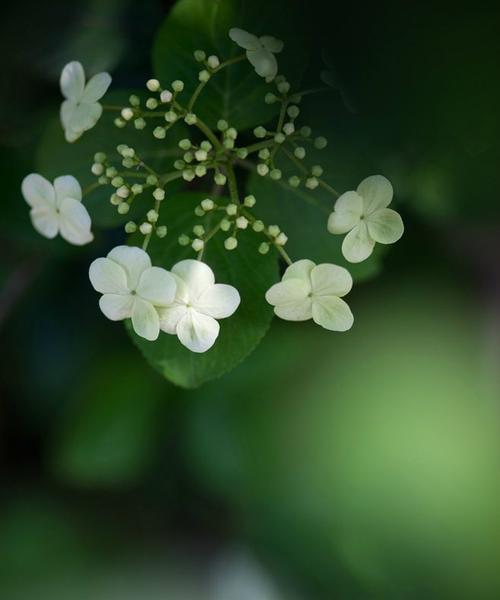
260,146
279,248
90,188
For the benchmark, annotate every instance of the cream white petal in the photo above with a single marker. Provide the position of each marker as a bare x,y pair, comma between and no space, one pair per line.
72,80
96,87
218,301
108,277
157,286
245,40
197,332
197,276
271,43
145,320
67,186
74,222
289,291
67,110
330,280
376,192
346,214
385,226
38,192
134,261
264,63
84,117
300,269
357,245
332,313
170,316
45,220
117,307
295,311
71,135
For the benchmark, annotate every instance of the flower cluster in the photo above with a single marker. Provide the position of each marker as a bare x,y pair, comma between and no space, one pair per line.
185,301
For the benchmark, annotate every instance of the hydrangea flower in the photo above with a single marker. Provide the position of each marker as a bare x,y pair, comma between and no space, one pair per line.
199,302
364,214
260,51
57,208
132,289
81,109
310,291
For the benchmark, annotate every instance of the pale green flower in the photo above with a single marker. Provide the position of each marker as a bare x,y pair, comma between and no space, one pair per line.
260,51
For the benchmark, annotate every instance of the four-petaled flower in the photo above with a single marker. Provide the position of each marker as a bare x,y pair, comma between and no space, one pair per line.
364,214
310,291
132,288
199,301
81,109
260,51
57,208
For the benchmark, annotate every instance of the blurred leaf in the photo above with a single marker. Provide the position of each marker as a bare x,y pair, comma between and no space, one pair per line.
251,273
236,93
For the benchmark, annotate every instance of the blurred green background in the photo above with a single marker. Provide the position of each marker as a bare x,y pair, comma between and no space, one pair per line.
356,466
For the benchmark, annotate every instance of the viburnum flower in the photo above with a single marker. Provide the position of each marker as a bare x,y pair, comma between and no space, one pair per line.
132,289
260,51
310,291
364,214
57,208
81,109
199,302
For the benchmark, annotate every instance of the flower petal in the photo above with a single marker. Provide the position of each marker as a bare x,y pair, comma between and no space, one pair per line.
385,226
300,269
332,313
218,301
84,117
271,43
357,245
72,80
170,317
263,62
67,187
330,280
157,286
38,192
71,135
245,40
116,307
68,107
346,213
291,299
197,276
96,87
45,220
376,192
197,332
134,260
145,320
74,222
108,277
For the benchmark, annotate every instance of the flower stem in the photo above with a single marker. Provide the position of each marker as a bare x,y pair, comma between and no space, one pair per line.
90,188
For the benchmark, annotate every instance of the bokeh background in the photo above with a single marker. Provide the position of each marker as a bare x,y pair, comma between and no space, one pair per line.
355,466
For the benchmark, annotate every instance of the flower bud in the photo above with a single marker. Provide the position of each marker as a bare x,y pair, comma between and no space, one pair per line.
281,239
161,231
204,76
190,119
288,128
145,228
199,55
317,170
185,144
293,111
312,183
166,96
159,133
279,138
264,248
300,152
222,125
134,100
260,132
230,243
242,222
262,169
151,103
152,216
207,204
120,123
225,225
213,61
273,230
99,157
197,245
130,227
127,113
123,191
232,209
220,179
275,174
97,169
199,230
137,189
183,240
249,201
294,181
159,194
270,98
258,226
153,85
140,123
200,170
320,142
177,85
123,208
171,116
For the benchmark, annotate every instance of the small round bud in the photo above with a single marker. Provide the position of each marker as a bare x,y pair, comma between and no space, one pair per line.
249,201
115,200
166,96
242,153
200,155
185,144
128,163
232,209
120,123
230,243
275,174
260,132
199,212
111,172
184,240
171,116
159,194
213,61
127,113
273,230
264,154
145,228
123,191
204,76
130,227
283,87
262,169
225,225
264,248
188,157
140,123
220,179
320,142
197,245
206,145
153,85
258,226
134,100
117,182
242,222
312,183
199,55
281,239
300,152
305,131
228,143
161,231
199,230
151,103
103,180
177,85
222,125
296,99
123,208
188,175
288,128
200,170
137,189
231,133
190,119
97,169
294,181
293,111
99,157
207,204
159,133
128,152
179,164
279,79
151,179
317,170
279,138
270,98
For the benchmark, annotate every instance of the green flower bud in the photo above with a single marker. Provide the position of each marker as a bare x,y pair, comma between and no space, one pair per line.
161,231
130,227
177,85
249,201
184,240
230,243
260,132
258,226
320,142
199,55
153,85
264,248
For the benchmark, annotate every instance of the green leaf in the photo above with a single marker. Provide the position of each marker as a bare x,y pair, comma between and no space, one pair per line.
236,93
57,157
250,272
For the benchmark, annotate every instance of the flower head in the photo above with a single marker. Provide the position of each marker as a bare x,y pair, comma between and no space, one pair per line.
57,208
260,51
310,291
81,109
199,302
364,214
132,289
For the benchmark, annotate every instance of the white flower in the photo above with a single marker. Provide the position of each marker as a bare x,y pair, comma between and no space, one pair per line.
132,288
260,51
81,111
364,214
309,291
199,301
57,208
